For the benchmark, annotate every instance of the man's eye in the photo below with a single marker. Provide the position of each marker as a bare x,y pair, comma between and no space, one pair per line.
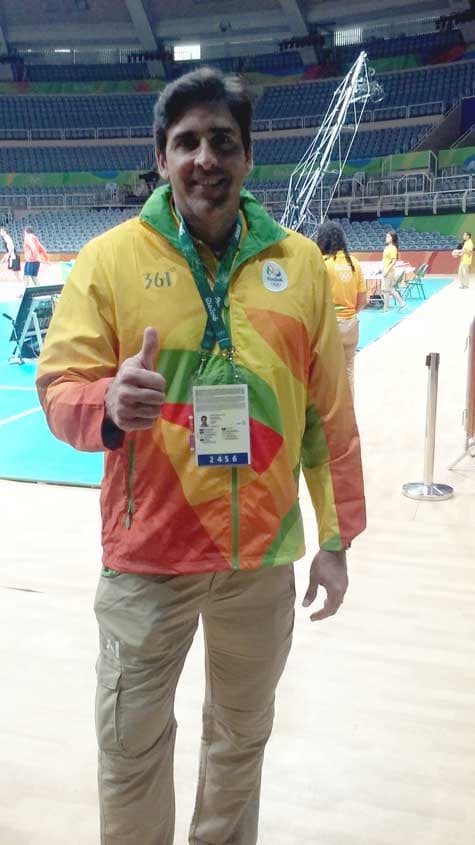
223,140
187,142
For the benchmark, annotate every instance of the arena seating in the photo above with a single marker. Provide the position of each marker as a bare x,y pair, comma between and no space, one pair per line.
368,236
15,197
61,112
78,158
426,91
446,84
287,62
86,73
281,150
68,231
368,144
425,43
290,61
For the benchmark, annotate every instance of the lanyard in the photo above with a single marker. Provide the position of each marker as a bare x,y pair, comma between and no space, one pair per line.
213,298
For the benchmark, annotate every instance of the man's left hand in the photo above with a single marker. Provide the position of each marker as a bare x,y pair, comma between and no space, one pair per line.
328,570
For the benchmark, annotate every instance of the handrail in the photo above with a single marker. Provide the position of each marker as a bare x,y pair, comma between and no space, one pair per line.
460,140
99,195
70,133
69,199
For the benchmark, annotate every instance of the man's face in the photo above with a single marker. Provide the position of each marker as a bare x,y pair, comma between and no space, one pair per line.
466,236
206,164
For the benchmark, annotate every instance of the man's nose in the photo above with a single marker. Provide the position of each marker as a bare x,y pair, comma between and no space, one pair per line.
206,156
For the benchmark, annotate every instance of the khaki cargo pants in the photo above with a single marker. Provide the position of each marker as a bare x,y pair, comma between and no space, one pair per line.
146,627
464,275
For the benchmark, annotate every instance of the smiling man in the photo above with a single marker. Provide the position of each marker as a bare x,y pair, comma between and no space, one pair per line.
202,522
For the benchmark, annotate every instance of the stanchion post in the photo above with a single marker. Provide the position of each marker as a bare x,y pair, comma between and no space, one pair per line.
427,490
432,362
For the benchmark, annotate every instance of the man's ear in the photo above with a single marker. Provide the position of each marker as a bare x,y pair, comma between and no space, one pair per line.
249,160
161,164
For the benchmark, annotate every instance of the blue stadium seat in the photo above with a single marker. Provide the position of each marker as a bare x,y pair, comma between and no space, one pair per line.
135,157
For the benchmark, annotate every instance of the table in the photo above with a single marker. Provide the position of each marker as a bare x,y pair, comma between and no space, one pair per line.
372,271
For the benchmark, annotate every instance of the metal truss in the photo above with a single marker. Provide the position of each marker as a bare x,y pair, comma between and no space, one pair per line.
309,194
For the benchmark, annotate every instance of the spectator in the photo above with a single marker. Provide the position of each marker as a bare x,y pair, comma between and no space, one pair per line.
34,253
348,288
11,257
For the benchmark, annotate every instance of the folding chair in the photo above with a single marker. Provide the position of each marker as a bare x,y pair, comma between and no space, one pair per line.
416,284
400,283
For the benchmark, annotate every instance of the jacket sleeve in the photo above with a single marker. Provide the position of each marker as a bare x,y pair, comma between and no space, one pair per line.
330,451
80,356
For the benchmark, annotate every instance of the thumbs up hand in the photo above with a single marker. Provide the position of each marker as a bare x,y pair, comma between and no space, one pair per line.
150,349
134,398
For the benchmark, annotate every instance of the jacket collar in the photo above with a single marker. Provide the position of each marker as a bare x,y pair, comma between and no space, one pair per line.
262,232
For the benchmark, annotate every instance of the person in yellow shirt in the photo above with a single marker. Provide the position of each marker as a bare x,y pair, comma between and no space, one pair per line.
390,256
465,254
348,288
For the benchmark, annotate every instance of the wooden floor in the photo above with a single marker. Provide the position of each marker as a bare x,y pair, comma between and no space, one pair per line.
374,740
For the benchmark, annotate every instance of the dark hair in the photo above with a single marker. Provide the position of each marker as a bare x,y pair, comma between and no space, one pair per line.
468,233
206,85
331,239
29,230
394,237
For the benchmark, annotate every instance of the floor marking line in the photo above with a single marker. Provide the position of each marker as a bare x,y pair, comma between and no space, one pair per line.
19,416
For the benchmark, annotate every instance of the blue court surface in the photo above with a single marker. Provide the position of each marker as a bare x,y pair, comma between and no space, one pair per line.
28,450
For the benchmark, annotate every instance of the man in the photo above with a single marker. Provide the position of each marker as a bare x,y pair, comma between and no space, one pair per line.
34,253
465,254
202,305
11,256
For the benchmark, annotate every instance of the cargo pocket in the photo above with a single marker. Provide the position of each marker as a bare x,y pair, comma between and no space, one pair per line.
107,698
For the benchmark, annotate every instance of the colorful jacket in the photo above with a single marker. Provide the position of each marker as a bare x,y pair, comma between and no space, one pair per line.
160,513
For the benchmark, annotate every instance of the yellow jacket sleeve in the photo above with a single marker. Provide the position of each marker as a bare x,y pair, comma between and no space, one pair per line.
330,454
80,355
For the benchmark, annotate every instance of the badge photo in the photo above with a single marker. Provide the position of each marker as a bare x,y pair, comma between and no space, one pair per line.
274,277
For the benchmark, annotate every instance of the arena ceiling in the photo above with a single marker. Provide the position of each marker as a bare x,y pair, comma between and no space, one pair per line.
144,23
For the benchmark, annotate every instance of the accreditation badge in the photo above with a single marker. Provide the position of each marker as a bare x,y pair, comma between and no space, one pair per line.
221,425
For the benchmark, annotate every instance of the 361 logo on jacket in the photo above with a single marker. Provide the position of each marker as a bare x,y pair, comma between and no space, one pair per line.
160,280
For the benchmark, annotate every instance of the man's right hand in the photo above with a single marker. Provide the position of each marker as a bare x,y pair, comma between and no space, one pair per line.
134,398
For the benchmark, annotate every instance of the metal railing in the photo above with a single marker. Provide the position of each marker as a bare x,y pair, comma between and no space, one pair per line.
460,142
94,133
452,183
67,200
426,109
377,195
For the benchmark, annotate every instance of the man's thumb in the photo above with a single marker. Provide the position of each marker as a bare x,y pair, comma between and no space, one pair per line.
150,349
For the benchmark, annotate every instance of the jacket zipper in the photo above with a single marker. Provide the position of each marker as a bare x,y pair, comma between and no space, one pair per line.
130,484
234,476
234,470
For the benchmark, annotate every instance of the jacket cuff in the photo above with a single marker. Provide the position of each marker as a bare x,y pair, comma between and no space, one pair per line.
112,436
